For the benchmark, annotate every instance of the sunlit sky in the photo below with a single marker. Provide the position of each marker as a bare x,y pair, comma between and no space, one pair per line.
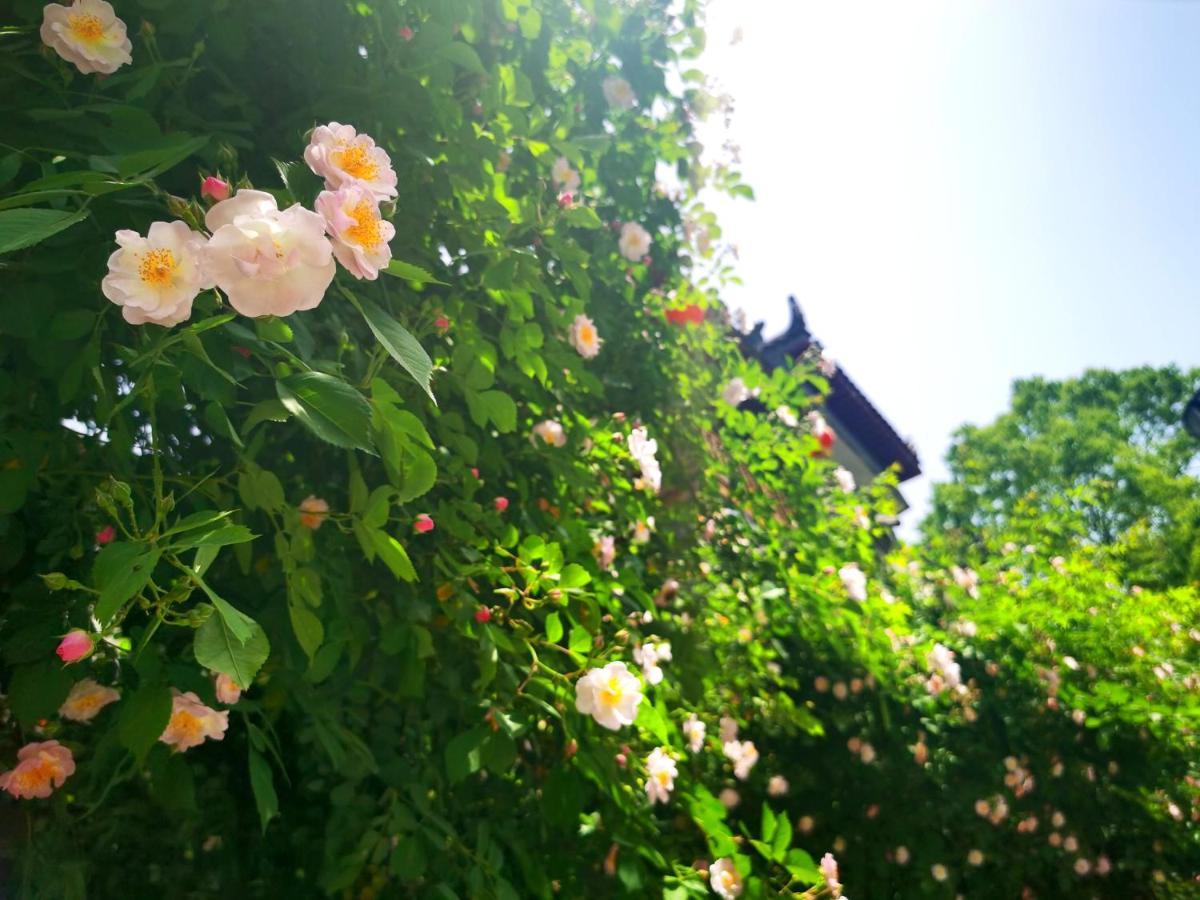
961,193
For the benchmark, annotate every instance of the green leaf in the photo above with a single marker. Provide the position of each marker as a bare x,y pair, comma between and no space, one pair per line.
36,691
143,718
217,648
462,753
330,408
554,628
501,409
408,859
463,55
266,411
392,553
202,519
573,576
310,633
148,163
262,783
220,537
20,228
121,570
582,217
409,272
580,640
400,345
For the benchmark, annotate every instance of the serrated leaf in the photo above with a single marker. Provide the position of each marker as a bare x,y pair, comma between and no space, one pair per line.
262,784
143,718
329,407
121,571
393,554
400,345
20,228
573,576
217,648
554,628
409,272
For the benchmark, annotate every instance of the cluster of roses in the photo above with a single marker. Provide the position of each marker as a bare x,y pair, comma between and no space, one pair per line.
267,261
44,766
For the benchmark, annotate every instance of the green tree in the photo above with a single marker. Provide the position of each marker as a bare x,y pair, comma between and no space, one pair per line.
1104,459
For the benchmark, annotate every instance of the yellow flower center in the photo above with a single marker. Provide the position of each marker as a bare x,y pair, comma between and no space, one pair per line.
727,878
587,334
86,28
365,231
34,777
158,268
611,693
663,777
87,702
356,162
187,726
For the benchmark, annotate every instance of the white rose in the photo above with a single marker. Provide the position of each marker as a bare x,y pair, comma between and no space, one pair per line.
87,34
269,263
343,157
845,479
360,236
854,580
618,93
660,775
725,880
549,432
609,695
564,177
693,730
634,242
736,393
155,278
584,337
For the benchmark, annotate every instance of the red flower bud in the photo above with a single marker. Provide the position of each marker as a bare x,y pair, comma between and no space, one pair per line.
423,524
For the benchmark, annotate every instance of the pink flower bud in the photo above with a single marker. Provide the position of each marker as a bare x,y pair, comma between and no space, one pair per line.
475,472
565,200
214,188
75,646
483,614
501,504
441,323
106,535
406,33
423,524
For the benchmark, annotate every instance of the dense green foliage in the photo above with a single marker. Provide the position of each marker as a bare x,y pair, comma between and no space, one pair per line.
408,725
1106,449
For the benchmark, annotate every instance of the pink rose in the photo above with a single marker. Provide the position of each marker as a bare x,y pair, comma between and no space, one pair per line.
76,645
501,504
41,767
423,524
214,189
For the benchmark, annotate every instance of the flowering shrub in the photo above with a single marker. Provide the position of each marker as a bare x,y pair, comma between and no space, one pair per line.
405,533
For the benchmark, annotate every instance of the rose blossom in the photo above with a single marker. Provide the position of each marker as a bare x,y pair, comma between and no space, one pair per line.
644,451
423,524
743,755
106,535
777,786
88,35
634,242
40,769
736,393
605,550
214,188
343,157
360,235
610,695
845,479
74,646
227,689
154,279
729,798
618,93
584,337
192,722
86,699
642,530
829,871
854,581
313,512
693,730
660,775
564,177
725,879
549,432
268,262
648,655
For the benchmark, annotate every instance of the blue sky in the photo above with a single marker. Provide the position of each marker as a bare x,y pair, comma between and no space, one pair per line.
962,193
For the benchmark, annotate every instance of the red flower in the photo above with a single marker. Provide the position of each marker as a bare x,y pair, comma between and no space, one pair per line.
689,315
441,323
483,614
423,524
106,535
501,504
